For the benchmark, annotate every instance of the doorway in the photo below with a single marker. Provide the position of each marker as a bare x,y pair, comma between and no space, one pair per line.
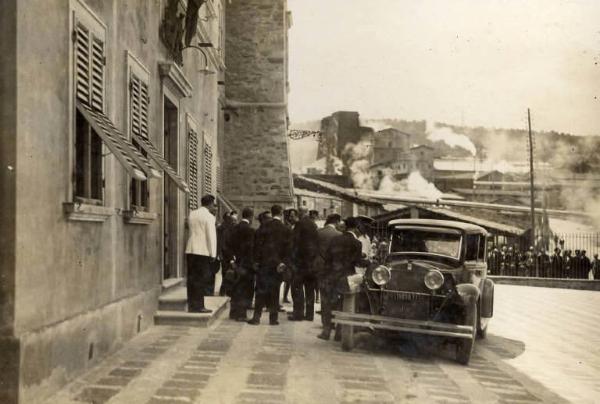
170,214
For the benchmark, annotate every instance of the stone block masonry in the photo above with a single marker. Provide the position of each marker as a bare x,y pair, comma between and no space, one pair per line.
256,166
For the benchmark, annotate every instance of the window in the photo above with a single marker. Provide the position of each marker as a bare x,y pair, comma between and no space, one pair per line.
208,168
139,102
193,169
89,89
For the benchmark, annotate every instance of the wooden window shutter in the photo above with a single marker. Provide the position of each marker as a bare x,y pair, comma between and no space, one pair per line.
89,67
144,108
82,63
97,62
207,168
135,90
193,170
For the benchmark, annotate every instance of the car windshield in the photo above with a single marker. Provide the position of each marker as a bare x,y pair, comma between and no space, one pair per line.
437,241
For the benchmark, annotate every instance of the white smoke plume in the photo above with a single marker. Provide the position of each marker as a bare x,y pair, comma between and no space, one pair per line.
412,186
451,138
357,156
585,197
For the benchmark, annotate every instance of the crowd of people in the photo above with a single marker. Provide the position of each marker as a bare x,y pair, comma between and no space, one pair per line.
284,247
511,261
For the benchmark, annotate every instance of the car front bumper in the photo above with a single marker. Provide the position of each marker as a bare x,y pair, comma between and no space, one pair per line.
403,325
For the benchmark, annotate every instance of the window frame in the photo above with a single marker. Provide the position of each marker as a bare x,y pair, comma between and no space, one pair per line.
135,68
81,14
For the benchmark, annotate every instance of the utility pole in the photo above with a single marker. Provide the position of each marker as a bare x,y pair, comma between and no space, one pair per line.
532,190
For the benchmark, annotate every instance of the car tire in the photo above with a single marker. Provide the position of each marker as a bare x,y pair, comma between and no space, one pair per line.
464,347
481,330
348,330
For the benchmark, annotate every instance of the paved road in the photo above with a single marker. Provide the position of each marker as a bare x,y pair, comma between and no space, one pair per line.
543,347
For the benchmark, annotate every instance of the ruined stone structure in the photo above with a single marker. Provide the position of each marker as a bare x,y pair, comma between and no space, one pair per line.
256,165
338,130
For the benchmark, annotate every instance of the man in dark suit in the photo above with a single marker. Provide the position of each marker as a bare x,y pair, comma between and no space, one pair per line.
326,234
305,248
224,250
272,251
242,246
342,256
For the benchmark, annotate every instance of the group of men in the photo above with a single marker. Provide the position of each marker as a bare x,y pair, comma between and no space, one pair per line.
561,264
255,260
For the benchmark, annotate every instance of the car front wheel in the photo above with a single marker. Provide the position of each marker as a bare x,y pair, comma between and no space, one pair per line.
464,347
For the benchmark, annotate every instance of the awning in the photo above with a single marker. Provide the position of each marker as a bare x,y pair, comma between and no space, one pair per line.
128,155
162,163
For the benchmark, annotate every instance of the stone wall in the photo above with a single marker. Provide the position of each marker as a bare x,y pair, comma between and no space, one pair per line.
256,166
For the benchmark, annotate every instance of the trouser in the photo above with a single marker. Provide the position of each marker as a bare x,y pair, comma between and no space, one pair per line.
303,294
286,290
267,295
226,285
240,298
199,275
330,300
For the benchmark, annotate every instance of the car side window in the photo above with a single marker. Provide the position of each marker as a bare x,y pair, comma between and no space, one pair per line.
472,247
481,253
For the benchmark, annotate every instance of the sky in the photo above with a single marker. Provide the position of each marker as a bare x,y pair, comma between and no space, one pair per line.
468,62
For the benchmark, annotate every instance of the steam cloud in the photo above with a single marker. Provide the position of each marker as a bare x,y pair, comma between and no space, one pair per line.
452,139
357,156
414,186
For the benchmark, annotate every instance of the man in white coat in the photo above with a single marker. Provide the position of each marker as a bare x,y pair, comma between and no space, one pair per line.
201,252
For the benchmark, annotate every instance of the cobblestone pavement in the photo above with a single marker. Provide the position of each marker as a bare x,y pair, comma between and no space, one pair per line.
543,346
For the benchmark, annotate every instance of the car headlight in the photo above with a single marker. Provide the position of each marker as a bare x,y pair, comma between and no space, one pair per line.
434,279
381,275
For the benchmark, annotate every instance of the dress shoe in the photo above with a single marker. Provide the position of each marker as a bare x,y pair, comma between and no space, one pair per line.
324,335
308,318
286,301
294,318
274,322
318,312
281,309
253,322
243,319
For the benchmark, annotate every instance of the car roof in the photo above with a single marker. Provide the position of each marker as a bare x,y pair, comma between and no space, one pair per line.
467,227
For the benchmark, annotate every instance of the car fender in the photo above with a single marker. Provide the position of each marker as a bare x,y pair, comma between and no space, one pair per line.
467,292
487,298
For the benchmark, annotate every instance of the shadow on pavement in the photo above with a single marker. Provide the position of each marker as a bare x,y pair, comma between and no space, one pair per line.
426,347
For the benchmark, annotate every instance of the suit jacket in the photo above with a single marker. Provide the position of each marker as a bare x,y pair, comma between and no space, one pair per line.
203,233
305,243
272,244
224,246
326,234
242,244
343,255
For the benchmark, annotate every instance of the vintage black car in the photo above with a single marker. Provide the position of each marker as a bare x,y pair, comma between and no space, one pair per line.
433,282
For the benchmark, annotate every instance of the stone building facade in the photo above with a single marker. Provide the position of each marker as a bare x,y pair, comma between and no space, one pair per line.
256,165
106,142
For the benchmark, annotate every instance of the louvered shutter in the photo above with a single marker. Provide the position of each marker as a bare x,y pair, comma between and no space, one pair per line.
97,63
82,63
208,168
140,101
89,67
135,90
193,170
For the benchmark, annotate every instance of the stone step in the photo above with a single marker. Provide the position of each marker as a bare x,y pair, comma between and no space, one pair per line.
173,300
171,283
218,305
